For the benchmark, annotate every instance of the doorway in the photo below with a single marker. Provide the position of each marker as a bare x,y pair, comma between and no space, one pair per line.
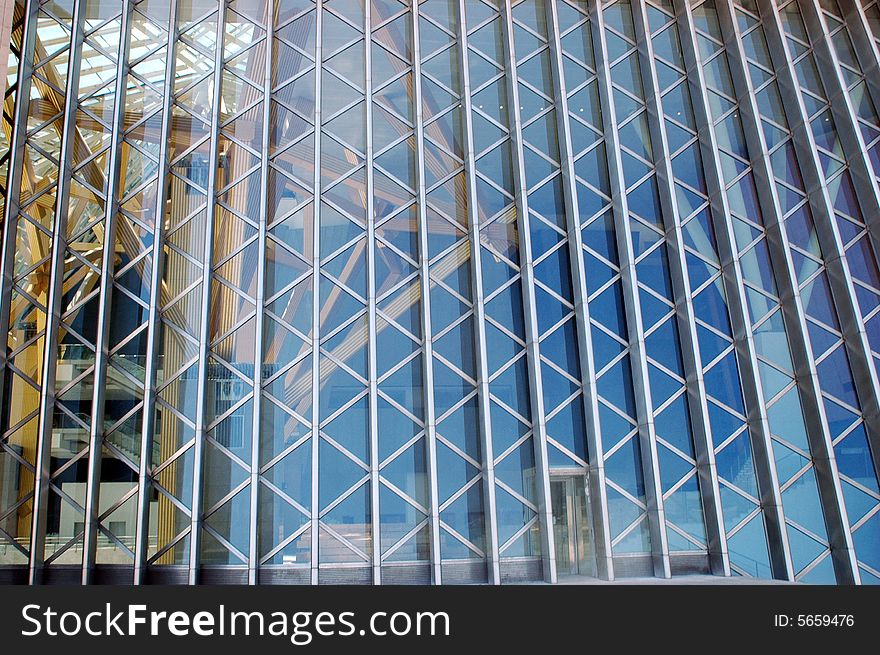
572,525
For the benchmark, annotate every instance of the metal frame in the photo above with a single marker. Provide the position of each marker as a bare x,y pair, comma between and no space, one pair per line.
12,204
596,478
692,360
375,484
253,552
530,316
854,335
644,406
316,312
780,551
733,283
425,292
486,449
53,304
842,291
102,353
153,336
205,312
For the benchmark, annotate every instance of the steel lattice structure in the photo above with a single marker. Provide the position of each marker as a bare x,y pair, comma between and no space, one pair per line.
319,291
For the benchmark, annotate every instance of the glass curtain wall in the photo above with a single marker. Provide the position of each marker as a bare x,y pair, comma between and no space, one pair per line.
327,291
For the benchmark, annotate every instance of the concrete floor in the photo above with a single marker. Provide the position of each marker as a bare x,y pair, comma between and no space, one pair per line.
677,580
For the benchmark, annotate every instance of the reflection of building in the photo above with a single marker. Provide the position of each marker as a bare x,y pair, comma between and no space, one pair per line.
446,291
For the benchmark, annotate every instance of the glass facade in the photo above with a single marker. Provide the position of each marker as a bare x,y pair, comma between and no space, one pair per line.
440,291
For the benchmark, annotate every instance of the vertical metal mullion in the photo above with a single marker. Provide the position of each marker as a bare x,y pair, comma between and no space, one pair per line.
105,300
840,281
13,205
53,304
864,178
530,316
786,280
744,344
691,358
642,393
205,309
253,552
425,292
148,417
371,305
13,185
866,48
477,297
598,490
316,311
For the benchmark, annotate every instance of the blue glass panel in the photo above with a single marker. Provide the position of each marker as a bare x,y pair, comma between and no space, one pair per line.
644,201
735,464
548,309
817,301
449,387
662,346
866,539
337,474
711,344
598,273
512,388
506,308
672,467
604,348
569,428
557,388
835,377
722,382
684,508
462,429
748,549
613,427
821,574
662,385
804,549
408,472
636,541
621,511
607,309
615,385
653,309
506,428
722,423
465,516
543,236
555,272
786,419
735,507
624,468
457,347
854,459
405,386
351,429
673,425
511,514
495,270
688,168
711,306
592,167
599,236
561,347
858,503
788,462
500,348
395,428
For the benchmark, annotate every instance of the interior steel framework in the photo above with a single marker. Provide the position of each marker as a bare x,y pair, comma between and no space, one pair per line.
321,291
